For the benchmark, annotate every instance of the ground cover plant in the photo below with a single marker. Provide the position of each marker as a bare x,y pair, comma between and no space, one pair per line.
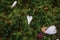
13,21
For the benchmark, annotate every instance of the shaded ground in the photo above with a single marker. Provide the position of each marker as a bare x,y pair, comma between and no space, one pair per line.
13,22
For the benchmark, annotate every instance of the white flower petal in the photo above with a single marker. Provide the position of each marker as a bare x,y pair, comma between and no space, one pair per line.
57,39
51,30
29,19
14,4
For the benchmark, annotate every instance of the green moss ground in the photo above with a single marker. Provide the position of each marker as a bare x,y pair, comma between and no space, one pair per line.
13,21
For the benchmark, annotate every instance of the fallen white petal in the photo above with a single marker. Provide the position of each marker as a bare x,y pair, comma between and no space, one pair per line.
57,39
14,4
29,19
51,30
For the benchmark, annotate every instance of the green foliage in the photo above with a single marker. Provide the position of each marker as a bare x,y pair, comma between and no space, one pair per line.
13,21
